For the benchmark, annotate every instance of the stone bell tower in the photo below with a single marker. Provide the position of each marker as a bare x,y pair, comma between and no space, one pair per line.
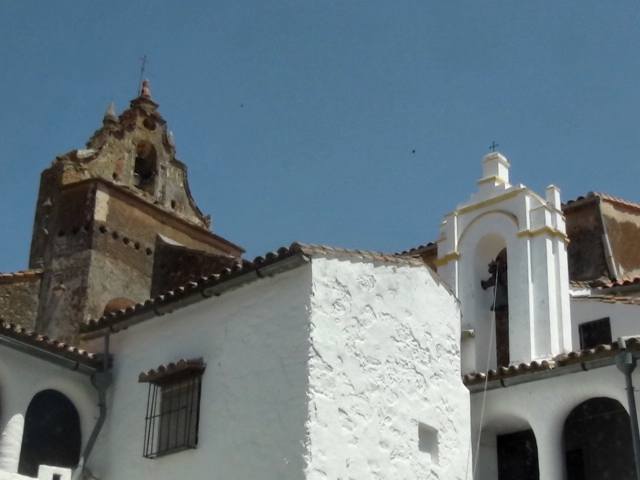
504,253
115,223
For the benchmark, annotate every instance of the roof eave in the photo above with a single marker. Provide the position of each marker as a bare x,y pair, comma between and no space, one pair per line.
46,355
561,368
155,308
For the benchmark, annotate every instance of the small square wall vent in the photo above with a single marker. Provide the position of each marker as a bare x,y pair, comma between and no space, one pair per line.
428,440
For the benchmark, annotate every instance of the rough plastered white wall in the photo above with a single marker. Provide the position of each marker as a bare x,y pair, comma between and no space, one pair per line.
543,406
255,342
385,394
22,376
623,318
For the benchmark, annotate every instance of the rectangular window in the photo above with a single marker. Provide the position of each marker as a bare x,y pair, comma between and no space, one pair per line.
173,408
594,333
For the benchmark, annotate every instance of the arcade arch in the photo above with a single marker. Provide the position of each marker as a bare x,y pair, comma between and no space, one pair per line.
52,434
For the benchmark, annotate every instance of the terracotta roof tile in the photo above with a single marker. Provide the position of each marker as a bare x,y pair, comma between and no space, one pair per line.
192,291
604,283
10,277
418,250
41,342
592,196
625,300
623,282
174,370
580,284
557,363
617,200
507,372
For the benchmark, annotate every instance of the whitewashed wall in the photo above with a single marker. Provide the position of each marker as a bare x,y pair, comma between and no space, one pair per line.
254,341
543,406
624,318
336,369
386,399
23,376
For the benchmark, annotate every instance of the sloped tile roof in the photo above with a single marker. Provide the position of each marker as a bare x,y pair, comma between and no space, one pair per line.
196,289
623,282
625,300
41,342
579,284
604,284
507,372
173,370
557,363
419,250
592,196
10,277
617,200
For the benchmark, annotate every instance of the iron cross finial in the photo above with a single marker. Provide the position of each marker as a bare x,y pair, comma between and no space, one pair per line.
493,146
144,61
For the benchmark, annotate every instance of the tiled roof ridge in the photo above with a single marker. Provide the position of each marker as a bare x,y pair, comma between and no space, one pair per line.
623,282
239,268
328,251
167,371
29,273
622,299
555,363
605,283
42,342
581,284
417,250
618,200
604,196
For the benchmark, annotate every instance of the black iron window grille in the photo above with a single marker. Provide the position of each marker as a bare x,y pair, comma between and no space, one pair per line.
173,408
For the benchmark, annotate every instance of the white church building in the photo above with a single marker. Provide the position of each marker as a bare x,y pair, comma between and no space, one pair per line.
505,350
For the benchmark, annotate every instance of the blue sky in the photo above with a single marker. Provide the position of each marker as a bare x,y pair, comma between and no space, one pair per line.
298,120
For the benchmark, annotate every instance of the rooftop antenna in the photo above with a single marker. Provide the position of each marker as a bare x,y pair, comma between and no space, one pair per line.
144,61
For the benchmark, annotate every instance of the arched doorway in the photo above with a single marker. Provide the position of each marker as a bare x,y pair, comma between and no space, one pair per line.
517,456
508,450
597,441
51,433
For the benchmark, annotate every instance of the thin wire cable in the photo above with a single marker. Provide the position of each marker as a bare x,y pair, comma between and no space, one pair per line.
486,378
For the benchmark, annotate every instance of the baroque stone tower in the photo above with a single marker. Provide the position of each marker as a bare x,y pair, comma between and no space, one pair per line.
115,223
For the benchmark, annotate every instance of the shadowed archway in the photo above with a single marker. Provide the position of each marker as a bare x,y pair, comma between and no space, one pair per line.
597,440
51,433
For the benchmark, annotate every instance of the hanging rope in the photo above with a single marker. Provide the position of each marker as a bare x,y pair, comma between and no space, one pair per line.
486,378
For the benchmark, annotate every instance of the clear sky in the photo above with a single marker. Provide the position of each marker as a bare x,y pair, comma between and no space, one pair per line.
352,123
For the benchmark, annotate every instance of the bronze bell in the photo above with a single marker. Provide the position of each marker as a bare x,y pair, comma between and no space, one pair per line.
499,280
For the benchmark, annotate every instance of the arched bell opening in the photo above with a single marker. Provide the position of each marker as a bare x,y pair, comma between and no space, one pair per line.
492,279
146,167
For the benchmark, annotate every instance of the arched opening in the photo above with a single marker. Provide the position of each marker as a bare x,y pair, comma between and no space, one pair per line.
508,450
497,284
51,433
597,441
145,168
